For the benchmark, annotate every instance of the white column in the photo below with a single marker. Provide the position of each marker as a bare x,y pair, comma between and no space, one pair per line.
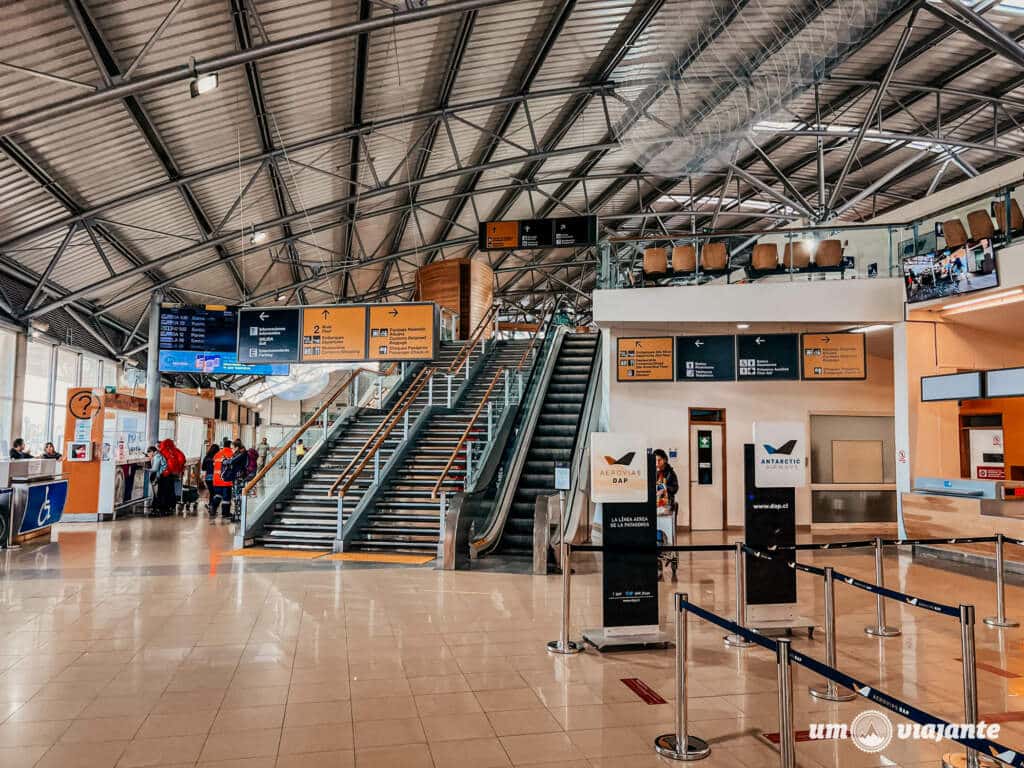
901,411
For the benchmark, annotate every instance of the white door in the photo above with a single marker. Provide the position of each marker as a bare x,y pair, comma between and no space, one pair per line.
707,489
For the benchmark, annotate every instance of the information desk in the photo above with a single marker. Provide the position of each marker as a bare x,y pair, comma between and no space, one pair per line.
948,508
32,499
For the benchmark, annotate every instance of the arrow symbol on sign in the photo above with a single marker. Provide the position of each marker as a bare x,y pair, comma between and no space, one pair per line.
326,314
264,316
759,341
698,343
826,339
393,313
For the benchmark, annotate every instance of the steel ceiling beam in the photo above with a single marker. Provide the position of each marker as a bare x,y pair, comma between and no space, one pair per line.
110,70
243,36
185,72
978,28
540,55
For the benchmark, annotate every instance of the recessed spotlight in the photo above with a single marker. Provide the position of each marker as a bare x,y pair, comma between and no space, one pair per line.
259,236
743,326
203,84
282,297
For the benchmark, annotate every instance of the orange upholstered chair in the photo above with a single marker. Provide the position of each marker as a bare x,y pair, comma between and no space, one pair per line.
655,262
829,253
980,224
714,257
954,232
765,257
1016,218
797,254
684,258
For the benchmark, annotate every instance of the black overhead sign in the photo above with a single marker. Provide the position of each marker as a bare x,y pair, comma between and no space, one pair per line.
532,234
705,358
269,335
768,356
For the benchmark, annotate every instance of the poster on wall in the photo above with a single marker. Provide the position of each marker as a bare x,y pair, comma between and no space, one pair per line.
618,467
644,359
705,358
833,356
779,454
767,356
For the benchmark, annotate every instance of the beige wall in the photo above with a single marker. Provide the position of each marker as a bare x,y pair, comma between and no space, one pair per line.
660,410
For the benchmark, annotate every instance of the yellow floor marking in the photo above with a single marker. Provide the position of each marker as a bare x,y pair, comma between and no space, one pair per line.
383,557
294,554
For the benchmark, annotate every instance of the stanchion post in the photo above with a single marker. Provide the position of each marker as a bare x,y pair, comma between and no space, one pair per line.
957,760
787,748
563,644
340,527
881,629
829,691
681,745
1000,620
738,641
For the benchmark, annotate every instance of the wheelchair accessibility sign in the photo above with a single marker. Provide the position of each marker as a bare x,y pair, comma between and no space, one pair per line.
44,505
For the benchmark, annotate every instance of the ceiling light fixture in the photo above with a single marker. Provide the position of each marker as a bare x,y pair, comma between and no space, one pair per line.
259,236
871,328
982,299
1009,297
201,84
743,326
282,297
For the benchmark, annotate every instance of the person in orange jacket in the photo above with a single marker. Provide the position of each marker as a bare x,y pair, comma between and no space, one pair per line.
221,484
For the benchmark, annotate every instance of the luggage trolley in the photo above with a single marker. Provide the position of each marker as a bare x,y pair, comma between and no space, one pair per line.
667,537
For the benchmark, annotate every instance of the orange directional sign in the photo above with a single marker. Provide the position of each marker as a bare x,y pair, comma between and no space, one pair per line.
501,235
402,332
835,356
645,359
334,334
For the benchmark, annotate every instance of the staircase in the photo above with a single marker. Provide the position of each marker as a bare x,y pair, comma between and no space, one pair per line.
406,517
305,517
554,439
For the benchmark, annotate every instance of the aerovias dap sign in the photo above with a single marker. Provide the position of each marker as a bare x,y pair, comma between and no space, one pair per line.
618,467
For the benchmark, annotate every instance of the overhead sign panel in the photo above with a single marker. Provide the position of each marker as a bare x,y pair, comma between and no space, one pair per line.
269,335
198,327
531,234
645,359
767,356
706,358
334,334
403,332
835,356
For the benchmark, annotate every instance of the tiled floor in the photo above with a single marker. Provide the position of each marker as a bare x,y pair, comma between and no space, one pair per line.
135,644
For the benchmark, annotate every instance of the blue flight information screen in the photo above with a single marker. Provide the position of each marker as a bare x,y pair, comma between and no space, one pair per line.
198,328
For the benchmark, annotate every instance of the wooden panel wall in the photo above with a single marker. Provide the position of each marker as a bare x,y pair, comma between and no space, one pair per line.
460,285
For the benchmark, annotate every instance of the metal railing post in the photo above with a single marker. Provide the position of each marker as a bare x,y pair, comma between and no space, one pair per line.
829,691
563,644
380,395
681,745
325,425
340,525
881,629
355,391
467,364
519,386
738,641
469,462
242,508
970,688
430,391
787,749
405,425
506,387
490,418
288,465
1000,620
449,389
376,465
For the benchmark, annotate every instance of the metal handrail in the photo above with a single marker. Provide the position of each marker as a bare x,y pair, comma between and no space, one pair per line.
467,349
283,450
476,414
390,421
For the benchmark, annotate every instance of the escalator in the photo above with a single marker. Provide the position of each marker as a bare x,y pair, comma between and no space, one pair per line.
553,440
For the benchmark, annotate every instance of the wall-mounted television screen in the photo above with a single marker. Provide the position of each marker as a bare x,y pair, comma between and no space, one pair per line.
953,386
950,272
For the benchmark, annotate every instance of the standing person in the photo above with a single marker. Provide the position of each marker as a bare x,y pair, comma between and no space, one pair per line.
207,468
239,473
221,484
300,451
157,467
666,486
49,452
19,449
169,483
263,451
252,466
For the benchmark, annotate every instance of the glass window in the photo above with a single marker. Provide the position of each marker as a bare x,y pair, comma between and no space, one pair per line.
67,375
109,373
91,373
59,415
8,350
34,428
37,372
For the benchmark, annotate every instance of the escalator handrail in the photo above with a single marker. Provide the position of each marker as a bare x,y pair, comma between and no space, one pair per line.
543,369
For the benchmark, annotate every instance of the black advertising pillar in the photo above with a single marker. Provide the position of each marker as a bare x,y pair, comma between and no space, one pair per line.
631,560
770,521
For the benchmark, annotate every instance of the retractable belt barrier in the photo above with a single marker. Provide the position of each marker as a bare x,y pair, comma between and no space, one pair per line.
785,656
892,594
666,548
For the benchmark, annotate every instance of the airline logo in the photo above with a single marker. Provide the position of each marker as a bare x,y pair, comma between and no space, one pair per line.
783,450
624,461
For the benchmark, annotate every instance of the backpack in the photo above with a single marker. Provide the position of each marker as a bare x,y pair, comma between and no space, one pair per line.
236,469
175,462
252,464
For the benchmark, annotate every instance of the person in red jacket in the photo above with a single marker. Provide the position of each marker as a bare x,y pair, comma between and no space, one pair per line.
221,484
169,477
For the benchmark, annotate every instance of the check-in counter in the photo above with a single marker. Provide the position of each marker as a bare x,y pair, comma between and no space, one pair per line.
33,494
949,508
